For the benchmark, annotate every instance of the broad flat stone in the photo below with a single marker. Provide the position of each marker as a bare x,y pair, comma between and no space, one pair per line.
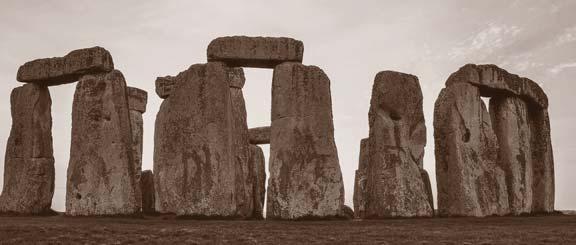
360,180
495,81
305,178
470,183
164,86
259,52
137,99
147,187
260,135
101,172
67,69
394,184
198,152
29,163
257,165
510,122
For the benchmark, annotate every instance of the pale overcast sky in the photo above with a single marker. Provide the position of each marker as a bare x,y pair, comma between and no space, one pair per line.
350,40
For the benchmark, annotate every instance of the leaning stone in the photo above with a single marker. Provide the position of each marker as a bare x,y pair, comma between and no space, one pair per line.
260,135
29,163
360,180
196,146
164,86
137,99
394,184
495,81
259,52
236,77
67,69
101,172
469,181
257,165
147,187
305,178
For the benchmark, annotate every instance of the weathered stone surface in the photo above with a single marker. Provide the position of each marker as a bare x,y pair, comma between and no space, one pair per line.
241,150
510,122
198,155
260,52
543,162
428,186
236,77
29,163
360,180
67,69
164,86
394,185
260,135
305,178
101,172
469,181
137,99
494,81
257,165
147,187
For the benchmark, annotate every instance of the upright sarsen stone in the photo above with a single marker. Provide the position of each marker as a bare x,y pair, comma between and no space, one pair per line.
360,180
470,183
543,162
305,178
259,52
137,100
197,150
394,184
67,69
258,179
147,187
29,163
101,172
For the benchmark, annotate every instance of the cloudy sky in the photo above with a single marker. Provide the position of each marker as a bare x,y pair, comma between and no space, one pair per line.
350,40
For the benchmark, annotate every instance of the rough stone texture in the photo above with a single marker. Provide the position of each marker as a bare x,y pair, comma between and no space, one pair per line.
543,162
257,165
29,163
394,185
236,77
469,181
428,186
164,86
259,52
199,147
305,178
147,187
67,69
495,81
137,99
260,135
510,122
101,177
360,180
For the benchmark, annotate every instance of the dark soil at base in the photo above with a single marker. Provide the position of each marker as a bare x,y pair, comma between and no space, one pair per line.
167,230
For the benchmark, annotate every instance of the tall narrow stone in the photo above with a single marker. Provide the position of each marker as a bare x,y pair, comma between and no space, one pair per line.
137,100
510,122
305,178
394,184
198,151
469,181
258,178
101,177
29,163
360,181
147,187
543,161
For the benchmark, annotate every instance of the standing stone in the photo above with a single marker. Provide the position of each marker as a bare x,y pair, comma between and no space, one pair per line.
197,152
164,86
360,180
510,122
260,135
137,100
543,162
101,177
258,178
469,181
67,69
305,178
29,163
147,187
394,185
259,52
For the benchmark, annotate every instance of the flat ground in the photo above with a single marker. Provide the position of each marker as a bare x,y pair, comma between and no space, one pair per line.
167,230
